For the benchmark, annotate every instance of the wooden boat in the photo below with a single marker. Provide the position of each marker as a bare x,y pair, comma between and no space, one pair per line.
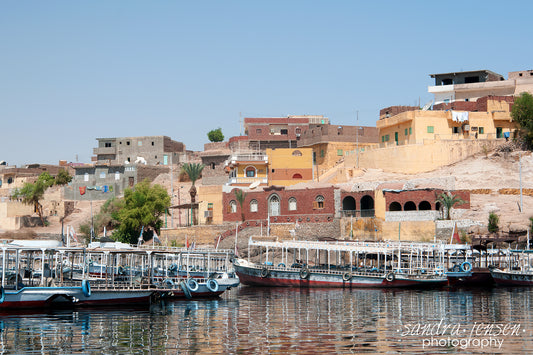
344,264
517,271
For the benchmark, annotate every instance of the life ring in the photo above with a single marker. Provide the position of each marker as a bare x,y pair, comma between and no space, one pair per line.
390,277
86,288
466,266
281,265
192,284
265,272
169,283
2,295
304,273
120,270
185,289
347,276
212,285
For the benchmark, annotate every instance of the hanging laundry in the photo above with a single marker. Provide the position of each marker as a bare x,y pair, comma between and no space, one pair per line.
460,116
83,189
105,188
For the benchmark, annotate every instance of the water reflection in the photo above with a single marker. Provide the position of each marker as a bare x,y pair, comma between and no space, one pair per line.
267,320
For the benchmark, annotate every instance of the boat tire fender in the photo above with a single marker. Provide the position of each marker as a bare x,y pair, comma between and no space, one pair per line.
390,277
86,288
192,285
265,272
212,285
466,266
2,295
304,273
347,276
281,265
185,290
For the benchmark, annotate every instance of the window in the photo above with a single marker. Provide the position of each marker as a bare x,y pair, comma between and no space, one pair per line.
153,143
292,204
319,202
102,175
250,171
253,206
117,176
86,177
298,130
297,153
410,130
322,153
339,152
284,131
456,130
140,143
382,139
430,129
107,144
232,206
406,132
258,131
481,130
387,137
213,166
10,180
128,143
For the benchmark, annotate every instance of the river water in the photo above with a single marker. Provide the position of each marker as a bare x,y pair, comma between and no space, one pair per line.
288,320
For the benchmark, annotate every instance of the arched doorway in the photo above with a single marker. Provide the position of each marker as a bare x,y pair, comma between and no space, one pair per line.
409,206
424,206
395,207
348,206
367,206
273,205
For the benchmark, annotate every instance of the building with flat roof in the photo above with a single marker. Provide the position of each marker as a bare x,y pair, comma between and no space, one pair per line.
149,150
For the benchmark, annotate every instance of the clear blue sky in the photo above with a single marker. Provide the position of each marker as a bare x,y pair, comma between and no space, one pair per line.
72,71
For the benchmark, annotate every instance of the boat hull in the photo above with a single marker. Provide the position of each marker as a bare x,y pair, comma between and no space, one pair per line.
250,275
39,297
505,278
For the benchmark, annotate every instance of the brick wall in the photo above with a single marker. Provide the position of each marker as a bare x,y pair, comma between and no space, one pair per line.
418,196
304,201
394,110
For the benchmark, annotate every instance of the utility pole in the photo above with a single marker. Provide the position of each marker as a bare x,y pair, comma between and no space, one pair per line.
171,192
521,200
357,139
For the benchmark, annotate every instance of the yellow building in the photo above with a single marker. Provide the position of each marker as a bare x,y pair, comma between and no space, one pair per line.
210,205
250,169
417,126
289,166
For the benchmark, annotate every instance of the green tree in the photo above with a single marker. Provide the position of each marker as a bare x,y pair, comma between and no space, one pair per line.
240,196
32,193
194,171
143,205
63,177
522,113
448,201
104,218
215,135
494,220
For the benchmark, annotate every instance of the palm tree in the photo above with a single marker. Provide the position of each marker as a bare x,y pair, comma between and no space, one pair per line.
240,196
194,171
447,201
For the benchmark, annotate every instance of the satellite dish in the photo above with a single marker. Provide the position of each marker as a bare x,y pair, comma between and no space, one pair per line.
427,106
254,184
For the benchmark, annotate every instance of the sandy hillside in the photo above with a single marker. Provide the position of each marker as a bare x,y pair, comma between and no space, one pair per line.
492,172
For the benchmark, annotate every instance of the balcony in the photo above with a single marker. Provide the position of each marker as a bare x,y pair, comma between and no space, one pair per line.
104,150
241,158
247,180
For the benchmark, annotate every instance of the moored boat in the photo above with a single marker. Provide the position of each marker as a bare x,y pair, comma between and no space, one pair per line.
345,264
